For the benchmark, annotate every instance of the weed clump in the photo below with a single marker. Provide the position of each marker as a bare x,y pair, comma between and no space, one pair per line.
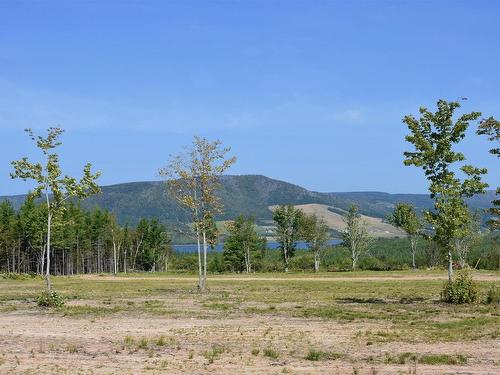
460,291
317,355
50,299
493,295
214,354
271,353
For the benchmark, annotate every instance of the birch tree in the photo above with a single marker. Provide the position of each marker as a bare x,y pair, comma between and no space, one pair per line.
193,179
288,221
55,188
315,233
242,246
355,235
405,217
434,136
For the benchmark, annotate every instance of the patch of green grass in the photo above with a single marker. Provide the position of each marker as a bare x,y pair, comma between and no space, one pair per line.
255,351
71,348
161,341
129,340
400,359
214,353
317,355
426,359
271,353
442,359
143,343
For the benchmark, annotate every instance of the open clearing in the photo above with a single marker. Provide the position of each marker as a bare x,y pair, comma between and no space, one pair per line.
363,322
335,220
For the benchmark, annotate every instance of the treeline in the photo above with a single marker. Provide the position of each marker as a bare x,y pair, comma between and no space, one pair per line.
82,241
385,254
91,241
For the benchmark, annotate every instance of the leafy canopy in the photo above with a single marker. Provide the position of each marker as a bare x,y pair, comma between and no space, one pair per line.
433,136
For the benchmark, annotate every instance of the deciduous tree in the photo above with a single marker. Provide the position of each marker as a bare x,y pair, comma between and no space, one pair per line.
405,217
242,246
193,178
433,136
50,182
355,236
315,233
288,221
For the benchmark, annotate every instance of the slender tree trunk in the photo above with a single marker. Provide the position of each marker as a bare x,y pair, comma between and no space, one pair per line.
450,266
125,260
200,269
316,261
47,273
204,259
354,256
413,244
115,264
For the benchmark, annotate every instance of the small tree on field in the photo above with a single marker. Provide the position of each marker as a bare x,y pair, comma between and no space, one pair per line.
355,236
315,234
193,178
288,222
242,246
405,217
433,135
55,188
491,128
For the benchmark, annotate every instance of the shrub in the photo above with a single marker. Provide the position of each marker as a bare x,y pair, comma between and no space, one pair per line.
493,294
461,290
50,299
214,354
314,355
18,276
302,262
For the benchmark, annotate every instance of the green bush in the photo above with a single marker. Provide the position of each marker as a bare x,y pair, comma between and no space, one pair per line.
302,262
18,276
50,299
493,294
461,290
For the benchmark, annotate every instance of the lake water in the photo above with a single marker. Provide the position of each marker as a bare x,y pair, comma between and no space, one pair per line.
192,248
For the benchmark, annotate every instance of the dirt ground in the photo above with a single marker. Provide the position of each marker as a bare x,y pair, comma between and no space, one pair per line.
44,344
35,341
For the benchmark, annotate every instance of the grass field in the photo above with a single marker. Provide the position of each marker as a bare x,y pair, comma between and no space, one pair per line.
364,322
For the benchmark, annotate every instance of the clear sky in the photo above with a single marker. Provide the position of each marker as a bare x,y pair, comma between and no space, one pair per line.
311,92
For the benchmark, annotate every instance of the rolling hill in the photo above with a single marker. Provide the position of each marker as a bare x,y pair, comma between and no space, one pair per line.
249,195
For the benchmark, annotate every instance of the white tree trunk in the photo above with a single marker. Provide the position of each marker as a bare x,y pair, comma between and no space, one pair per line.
205,247
316,261
200,268
450,266
47,273
413,244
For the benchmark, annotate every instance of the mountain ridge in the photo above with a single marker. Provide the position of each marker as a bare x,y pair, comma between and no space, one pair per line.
246,194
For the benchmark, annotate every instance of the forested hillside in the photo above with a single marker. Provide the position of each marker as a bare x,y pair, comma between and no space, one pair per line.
247,194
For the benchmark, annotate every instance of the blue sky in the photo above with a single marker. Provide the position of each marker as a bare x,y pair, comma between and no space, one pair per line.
311,92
